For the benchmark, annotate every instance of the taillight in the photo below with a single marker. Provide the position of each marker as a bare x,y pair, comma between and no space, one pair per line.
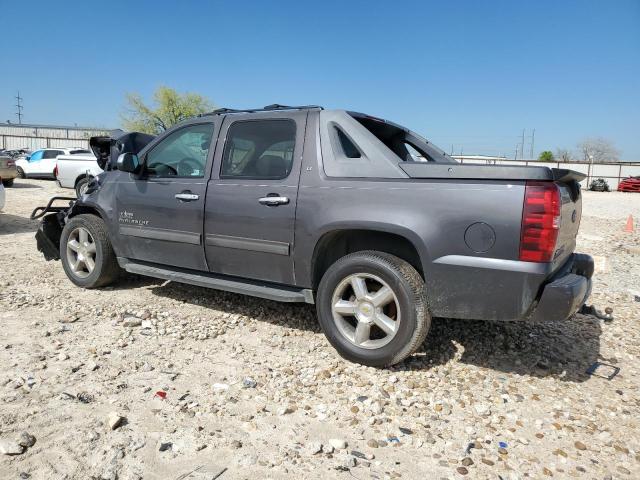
11,163
540,222
55,171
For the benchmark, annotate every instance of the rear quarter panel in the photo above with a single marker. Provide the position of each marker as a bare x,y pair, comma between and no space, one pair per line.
434,215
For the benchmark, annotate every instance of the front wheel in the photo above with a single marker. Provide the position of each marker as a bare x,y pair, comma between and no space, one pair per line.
21,173
86,253
372,307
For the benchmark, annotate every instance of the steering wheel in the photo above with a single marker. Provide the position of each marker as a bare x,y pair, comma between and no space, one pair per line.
187,166
159,167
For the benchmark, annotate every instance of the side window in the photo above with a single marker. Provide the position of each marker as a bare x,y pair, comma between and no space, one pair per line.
348,148
37,155
259,149
182,154
51,154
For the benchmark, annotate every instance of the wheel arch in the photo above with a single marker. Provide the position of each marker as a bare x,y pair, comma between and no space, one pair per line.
336,243
82,208
80,177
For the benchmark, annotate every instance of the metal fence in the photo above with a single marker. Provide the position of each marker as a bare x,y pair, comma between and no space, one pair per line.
33,137
611,172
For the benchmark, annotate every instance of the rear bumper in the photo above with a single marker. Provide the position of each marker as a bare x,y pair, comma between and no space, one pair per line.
567,290
8,173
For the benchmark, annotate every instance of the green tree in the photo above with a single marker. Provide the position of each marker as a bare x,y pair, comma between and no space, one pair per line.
546,156
169,107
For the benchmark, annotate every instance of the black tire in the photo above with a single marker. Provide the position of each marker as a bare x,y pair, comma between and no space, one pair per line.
21,173
8,182
81,185
106,269
409,290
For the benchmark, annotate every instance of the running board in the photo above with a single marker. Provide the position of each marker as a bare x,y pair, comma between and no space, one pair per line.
220,282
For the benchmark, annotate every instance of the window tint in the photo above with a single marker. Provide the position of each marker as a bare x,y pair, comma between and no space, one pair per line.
78,152
260,149
35,156
348,148
182,154
52,153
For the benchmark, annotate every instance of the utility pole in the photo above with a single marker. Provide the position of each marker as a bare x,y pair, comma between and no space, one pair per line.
522,146
533,137
515,157
19,107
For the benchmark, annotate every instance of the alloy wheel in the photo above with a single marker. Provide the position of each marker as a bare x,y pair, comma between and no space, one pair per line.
365,310
81,252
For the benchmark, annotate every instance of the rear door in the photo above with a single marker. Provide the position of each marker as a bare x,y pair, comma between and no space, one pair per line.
45,167
160,213
252,196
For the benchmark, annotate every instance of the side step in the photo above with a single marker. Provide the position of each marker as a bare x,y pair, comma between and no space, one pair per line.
220,282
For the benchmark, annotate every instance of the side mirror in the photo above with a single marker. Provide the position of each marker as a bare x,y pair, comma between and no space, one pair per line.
27,158
128,162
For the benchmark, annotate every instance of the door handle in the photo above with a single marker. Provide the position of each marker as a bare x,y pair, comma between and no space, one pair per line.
187,196
273,201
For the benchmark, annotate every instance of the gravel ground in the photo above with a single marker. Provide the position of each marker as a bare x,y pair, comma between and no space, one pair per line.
156,380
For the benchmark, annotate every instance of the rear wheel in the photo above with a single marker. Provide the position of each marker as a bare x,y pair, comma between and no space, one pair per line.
372,307
7,182
81,186
86,253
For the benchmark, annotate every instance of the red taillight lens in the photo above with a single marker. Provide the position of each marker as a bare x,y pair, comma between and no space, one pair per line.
55,171
11,163
540,222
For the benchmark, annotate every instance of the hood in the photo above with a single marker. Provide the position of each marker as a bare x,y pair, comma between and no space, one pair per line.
108,148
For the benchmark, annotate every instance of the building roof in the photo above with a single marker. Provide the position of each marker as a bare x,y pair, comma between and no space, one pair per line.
61,127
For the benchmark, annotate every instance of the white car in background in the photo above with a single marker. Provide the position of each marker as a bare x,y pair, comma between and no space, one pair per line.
77,171
42,163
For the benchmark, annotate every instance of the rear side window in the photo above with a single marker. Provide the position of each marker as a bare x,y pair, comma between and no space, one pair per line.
259,149
52,153
348,147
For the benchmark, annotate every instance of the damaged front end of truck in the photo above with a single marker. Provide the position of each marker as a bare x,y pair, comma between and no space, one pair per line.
50,229
54,216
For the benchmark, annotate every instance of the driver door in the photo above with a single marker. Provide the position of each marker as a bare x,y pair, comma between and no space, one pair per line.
31,162
160,211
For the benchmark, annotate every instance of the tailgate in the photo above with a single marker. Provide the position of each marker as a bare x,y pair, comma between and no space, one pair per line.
570,214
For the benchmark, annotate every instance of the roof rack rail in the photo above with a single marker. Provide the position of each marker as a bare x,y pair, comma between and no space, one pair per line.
268,108
277,106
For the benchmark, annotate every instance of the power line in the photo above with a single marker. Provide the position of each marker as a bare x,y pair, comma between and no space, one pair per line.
533,137
19,107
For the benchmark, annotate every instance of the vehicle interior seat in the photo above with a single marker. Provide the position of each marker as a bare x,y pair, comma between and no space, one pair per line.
271,166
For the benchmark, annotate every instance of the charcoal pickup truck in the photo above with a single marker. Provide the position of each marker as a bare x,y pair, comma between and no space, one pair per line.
363,217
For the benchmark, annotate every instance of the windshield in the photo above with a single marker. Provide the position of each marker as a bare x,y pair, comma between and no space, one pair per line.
407,145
